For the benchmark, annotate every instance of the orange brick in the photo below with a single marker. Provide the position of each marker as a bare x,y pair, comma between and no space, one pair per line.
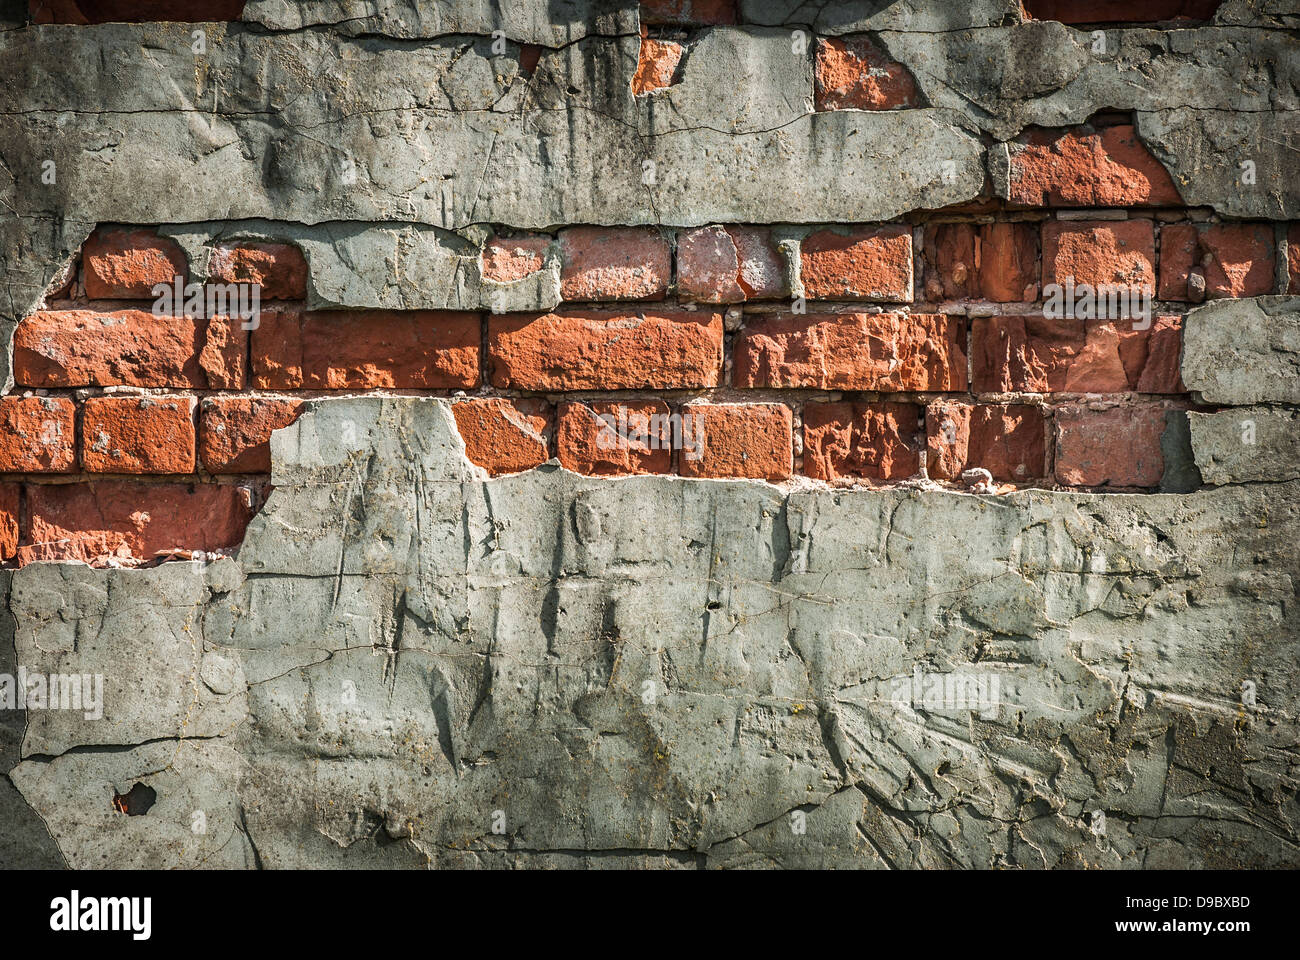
747,440
1007,440
10,514
138,435
125,263
613,263
368,349
504,436
1084,167
854,74
656,63
1119,447
507,259
858,264
1108,252
37,435
606,350
852,351
235,432
279,268
876,440
1008,262
1241,259
615,437
119,519
102,347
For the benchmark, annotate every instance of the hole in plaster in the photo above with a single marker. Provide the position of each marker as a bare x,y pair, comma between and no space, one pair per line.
136,802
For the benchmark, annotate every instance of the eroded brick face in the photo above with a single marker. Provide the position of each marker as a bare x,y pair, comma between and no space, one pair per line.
855,74
504,436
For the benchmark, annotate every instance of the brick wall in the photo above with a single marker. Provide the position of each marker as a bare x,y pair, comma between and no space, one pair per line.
849,353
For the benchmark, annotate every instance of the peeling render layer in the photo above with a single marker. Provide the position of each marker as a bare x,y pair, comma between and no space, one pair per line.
661,671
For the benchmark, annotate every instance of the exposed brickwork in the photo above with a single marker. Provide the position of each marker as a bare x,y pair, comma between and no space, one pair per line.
125,264
1008,440
1116,447
132,519
1232,259
1112,252
279,268
848,440
358,350
623,263
857,264
506,259
751,440
1083,167
504,436
138,434
729,265
235,432
615,438
37,435
657,62
10,516
854,73
853,351
606,350
102,346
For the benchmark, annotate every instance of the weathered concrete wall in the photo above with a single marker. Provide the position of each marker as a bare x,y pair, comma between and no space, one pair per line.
423,654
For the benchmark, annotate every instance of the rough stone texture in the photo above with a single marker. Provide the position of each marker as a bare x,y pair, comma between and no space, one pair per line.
1244,352
461,646
1246,444
657,61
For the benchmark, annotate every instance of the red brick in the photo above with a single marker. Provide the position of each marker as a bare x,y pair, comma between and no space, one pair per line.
613,263
366,349
103,347
876,440
729,265
1008,262
854,74
1120,11
746,440
858,264
507,259
688,13
1119,447
606,350
853,351
1083,167
125,263
504,436
656,63
1042,355
1007,440
134,11
615,437
235,432
1111,252
1236,259
10,513
1293,258
950,254
138,435
119,519
37,435
279,268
